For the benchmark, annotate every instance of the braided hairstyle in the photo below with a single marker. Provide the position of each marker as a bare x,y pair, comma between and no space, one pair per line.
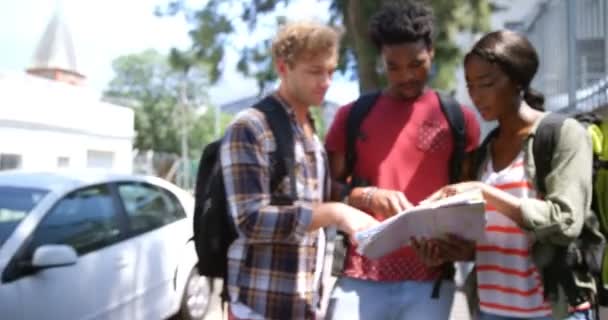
516,57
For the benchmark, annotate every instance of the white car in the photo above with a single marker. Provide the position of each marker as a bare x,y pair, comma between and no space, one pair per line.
97,246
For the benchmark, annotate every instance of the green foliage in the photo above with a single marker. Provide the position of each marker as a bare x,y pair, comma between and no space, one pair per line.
155,86
320,125
215,25
203,131
457,16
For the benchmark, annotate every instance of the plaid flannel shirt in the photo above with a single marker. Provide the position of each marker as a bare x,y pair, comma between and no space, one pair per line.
271,265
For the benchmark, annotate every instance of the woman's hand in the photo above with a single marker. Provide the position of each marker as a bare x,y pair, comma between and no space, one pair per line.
453,189
502,201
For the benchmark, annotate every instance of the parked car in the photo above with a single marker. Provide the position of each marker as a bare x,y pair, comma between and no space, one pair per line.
93,245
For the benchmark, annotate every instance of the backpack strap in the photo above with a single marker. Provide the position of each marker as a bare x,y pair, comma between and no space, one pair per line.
361,107
453,113
545,140
450,107
283,159
481,153
558,272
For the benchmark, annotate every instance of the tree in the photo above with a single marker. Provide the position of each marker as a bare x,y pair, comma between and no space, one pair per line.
320,125
149,84
215,25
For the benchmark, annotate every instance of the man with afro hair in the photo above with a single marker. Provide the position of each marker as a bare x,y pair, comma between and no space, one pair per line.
403,155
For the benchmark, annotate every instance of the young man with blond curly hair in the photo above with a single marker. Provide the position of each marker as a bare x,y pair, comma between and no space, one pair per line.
275,265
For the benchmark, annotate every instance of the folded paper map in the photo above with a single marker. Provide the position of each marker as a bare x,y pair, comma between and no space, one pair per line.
462,215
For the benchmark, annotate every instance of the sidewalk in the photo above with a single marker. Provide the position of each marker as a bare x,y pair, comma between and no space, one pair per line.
459,308
215,308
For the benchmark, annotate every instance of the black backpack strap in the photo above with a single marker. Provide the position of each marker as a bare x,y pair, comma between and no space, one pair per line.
453,113
545,140
283,159
361,107
481,153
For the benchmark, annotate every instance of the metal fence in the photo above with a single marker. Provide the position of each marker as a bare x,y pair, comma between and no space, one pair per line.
571,37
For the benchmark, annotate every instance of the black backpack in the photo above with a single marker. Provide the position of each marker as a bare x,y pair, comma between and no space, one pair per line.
583,256
214,228
361,107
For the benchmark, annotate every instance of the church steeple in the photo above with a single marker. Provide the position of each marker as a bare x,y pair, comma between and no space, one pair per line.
55,57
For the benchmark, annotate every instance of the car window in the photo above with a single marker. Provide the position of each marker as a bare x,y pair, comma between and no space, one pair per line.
175,208
15,204
85,219
148,207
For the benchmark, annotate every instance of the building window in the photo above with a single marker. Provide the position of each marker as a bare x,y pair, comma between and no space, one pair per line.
63,162
592,63
10,161
100,159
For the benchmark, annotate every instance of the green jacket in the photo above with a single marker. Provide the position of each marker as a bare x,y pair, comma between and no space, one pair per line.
558,218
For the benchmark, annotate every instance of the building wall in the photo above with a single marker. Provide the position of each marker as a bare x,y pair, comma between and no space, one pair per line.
547,29
53,125
41,149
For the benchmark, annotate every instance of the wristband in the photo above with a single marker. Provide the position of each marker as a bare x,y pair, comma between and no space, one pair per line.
367,195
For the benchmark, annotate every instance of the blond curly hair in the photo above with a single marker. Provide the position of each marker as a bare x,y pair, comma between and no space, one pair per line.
296,40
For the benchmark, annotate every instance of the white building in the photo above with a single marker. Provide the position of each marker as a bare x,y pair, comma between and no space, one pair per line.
49,120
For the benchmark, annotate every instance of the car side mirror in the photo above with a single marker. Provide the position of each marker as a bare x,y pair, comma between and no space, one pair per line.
53,256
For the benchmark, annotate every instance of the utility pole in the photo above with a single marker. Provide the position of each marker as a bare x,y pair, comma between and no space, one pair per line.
184,132
572,58
216,126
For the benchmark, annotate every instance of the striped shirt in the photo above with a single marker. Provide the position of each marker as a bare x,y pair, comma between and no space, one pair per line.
509,284
272,264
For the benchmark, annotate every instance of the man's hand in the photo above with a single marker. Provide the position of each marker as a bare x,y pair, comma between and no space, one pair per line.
388,202
352,220
428,252
455,248
435,252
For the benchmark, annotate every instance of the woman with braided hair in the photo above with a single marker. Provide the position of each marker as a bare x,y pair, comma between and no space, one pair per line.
528,219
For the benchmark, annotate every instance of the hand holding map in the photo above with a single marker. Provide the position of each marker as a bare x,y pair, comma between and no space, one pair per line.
462,215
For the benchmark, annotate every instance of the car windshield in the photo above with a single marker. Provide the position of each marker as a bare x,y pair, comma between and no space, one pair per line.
15,204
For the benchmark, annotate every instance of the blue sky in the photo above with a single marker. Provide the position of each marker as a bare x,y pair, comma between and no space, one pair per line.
104,30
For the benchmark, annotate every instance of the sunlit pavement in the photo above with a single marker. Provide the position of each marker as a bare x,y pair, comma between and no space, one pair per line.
459,308
215,309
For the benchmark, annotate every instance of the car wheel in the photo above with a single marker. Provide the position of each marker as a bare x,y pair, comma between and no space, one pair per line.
197,295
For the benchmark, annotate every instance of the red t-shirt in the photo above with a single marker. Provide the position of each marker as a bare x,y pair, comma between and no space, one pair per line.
405,146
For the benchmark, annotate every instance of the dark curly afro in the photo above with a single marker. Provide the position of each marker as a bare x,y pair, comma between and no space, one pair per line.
400,22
